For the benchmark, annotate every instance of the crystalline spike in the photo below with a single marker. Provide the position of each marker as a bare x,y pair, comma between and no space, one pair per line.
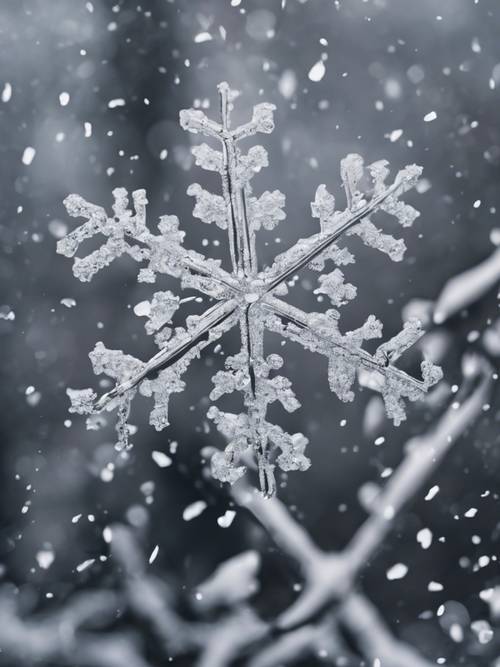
208,208
266,211
207,158
394,348
194,120
333,285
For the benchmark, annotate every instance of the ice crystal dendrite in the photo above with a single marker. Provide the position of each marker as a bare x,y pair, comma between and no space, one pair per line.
248,296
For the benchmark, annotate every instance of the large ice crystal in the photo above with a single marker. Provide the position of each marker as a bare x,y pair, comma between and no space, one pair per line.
249,297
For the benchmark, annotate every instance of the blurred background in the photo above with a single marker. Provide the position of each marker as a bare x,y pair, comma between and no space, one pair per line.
90,96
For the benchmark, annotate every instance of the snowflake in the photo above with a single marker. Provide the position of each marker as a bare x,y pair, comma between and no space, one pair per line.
248,297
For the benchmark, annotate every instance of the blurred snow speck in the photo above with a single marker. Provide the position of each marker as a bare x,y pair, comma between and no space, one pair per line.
432,115
317,71
397,571
86,564
118,102
6,92
161,459
45,558
287,85
260,25
226,519
28,155
202,37
154,554
194,510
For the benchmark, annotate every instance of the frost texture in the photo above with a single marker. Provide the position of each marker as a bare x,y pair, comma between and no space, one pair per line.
248,296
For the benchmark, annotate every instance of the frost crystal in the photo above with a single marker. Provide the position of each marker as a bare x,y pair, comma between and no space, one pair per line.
248,297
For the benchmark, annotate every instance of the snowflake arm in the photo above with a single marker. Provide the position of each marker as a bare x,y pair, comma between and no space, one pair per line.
210,326
305,252
316,333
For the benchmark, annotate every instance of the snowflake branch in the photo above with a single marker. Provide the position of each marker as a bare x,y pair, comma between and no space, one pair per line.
175,349
240,236
302,256
292,315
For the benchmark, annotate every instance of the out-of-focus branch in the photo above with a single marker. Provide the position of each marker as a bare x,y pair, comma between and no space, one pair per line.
63,636
329,577
465,288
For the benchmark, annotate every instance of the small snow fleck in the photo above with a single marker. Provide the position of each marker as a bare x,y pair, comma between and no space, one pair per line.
45,558
6,313
435,587
161,459
471,513
456,633
68,302
58,229
424,538
28,155
397,571
202,37
64,99
88,129
6,92
86,563
432,492
154,554
76,518
107,534
194,510
432,115
317,71
477,203
118,102
287,85
483,631
395,135
226,519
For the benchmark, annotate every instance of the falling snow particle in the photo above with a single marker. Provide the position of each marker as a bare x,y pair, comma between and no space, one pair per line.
432,115
397,571
435,587
194,510
424,538
202,37
118,102
317,71
28,155
68,302
154,554
161,459
45,558
86,563
6,92
226,519
64,99
432,492
395,135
